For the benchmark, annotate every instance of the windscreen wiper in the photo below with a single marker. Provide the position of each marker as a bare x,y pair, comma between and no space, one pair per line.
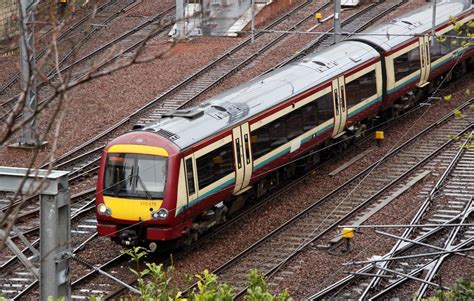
148,194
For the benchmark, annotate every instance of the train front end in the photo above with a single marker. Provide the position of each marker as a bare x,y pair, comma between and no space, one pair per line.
135,199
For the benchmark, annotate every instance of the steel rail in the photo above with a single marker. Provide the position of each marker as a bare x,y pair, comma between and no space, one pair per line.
399,248
40,54
419,270
317,203
426,206
52,74
175,88
360,206
421,212
387,257
310,46
84,209
208,236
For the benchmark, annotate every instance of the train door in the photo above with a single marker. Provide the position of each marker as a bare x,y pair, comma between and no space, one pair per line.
425,60
339,103
191,179
242,157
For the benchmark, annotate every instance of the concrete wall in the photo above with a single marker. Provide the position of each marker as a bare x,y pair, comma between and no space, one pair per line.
8,21
270,10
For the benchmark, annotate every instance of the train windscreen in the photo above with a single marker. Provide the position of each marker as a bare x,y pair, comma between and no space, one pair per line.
135,176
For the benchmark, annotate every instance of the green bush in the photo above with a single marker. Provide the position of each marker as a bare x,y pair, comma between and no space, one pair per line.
154,284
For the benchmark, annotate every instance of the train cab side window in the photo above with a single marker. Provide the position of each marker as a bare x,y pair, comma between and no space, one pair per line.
214,165
190,176
407,63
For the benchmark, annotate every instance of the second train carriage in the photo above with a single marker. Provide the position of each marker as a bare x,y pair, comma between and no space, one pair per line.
181,175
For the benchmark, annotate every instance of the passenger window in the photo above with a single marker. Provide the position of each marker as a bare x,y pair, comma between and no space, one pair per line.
190,176
402,66
407,63
352,93
280,131
324,107
367,85
435,50
214,165
414,58
260,142
310,116
294,125
277,133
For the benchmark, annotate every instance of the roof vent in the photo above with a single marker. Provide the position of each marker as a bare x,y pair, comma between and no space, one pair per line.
219,108
190,114
319,63
235,111
323,66
410,24
355,59
204,104
168,134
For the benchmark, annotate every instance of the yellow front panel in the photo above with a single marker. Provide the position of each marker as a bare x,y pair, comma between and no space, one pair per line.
132,209
138,149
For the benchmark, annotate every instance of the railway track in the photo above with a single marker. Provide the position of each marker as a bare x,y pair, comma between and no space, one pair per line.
409,263
90,281
69,31
277,248
72,39
127,42
69,160
15,277
361,21
90,284
124,44
30,209
86,163
179,95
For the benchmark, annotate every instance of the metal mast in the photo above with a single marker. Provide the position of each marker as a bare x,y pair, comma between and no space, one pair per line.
337,21
180,25
433,29
27,65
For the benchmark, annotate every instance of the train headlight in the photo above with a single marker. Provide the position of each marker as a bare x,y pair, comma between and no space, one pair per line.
103,210
160,214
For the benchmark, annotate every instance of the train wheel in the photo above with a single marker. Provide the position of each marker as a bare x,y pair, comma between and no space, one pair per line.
188,239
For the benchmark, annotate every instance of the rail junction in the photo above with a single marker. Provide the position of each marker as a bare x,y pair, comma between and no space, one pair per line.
441,151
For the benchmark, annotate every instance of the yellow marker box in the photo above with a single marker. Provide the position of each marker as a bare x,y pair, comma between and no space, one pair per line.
317,16
347,233
379,135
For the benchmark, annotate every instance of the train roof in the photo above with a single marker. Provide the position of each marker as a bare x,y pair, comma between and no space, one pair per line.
392,34
187,127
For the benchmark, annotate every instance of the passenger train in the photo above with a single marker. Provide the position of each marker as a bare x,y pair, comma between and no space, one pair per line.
170,180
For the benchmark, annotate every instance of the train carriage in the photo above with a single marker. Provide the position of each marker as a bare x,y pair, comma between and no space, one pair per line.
177,177
412,60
